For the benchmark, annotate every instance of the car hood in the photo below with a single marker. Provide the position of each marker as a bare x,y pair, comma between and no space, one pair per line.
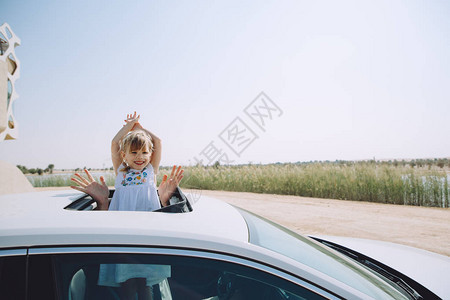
427,268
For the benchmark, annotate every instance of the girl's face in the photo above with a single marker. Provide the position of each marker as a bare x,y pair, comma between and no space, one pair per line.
137,159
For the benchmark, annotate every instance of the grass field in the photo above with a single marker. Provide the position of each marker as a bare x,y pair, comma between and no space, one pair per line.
362,181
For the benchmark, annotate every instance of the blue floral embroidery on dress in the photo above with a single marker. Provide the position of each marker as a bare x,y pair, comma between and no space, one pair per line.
135,177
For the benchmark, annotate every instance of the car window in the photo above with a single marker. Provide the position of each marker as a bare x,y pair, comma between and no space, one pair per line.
108,276
41,278
272,236
12,274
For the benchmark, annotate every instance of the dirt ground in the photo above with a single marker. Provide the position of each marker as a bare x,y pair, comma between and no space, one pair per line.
421,227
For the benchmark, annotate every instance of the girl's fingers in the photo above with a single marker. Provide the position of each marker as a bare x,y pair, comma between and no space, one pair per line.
78,182
89,175
82,178
175,176
102,180
132,118
179,179
173,171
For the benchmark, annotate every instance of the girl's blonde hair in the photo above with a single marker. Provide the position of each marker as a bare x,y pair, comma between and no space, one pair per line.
135,140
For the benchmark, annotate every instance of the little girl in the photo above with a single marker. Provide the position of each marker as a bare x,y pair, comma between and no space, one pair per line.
136,153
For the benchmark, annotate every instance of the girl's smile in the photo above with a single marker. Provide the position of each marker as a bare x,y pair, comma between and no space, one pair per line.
137,159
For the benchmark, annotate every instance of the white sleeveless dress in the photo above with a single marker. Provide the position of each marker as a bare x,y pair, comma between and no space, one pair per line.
135,191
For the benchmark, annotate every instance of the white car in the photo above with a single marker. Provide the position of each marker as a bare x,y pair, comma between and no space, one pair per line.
53,245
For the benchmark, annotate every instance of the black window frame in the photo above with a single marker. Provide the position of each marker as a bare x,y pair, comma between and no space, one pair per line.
73,258
13,273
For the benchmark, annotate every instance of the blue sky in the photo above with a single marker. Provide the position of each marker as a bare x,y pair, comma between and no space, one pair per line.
352,79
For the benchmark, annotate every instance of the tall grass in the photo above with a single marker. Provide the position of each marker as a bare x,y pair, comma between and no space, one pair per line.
350,181
360,182
63,180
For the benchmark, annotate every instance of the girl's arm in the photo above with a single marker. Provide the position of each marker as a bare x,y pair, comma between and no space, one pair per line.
157,150
115,144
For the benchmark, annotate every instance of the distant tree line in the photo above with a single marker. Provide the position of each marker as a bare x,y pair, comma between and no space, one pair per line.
413,163
89,169
50,168
39,171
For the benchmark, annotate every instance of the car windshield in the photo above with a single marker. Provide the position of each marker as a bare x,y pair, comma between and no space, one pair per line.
269,235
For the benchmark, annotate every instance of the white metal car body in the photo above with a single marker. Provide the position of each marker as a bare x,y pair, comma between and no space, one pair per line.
418,264
37,225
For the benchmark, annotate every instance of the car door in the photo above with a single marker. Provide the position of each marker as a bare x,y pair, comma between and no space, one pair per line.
13,274
79,273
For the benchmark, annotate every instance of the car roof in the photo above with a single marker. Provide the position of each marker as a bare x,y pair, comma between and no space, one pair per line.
39,218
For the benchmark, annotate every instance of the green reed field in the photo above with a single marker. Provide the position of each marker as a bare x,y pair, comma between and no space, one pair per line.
58,180
362,181
358,181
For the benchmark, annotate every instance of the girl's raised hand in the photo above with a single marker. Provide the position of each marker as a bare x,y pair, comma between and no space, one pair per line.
132,118
98,191
167,187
